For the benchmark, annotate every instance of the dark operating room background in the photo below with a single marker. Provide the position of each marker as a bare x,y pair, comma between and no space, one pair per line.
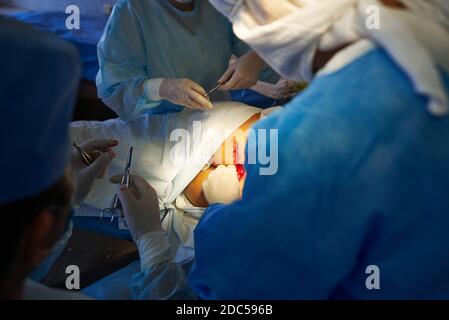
50,16
90,7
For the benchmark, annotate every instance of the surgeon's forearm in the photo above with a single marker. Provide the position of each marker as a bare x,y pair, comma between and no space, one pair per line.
153,249
160,278
268,11
163,281
151,87
128,100
264,88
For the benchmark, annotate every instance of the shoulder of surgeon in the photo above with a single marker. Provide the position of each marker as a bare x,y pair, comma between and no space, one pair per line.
372,93
127,16
382,80
368,106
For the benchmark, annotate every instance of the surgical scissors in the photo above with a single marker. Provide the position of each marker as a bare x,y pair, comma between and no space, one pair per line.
116,204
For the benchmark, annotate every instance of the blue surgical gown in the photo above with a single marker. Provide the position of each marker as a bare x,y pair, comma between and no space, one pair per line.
152,39
363,179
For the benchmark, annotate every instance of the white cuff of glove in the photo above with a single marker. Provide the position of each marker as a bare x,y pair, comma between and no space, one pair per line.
151,89
153,249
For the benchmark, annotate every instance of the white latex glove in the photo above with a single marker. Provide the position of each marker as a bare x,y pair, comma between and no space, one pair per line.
222,185
283,89
183,92
242,73
101,151
140,206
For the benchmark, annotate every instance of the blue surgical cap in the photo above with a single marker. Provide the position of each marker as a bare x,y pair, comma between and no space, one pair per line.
39,75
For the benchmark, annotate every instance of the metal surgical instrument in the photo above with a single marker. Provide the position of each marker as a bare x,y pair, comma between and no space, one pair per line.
214,89
87,159
116,204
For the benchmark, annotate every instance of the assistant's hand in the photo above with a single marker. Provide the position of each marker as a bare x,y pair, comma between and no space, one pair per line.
101,151
184,92
242,73
222,185
283,89
140,206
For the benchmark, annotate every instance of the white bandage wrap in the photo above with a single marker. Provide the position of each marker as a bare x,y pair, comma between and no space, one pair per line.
153,249
151,89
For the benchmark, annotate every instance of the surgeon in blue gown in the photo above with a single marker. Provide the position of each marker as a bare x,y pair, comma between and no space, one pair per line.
163,55
45,177
359,206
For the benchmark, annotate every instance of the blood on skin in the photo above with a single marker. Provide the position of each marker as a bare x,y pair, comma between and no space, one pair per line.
238,166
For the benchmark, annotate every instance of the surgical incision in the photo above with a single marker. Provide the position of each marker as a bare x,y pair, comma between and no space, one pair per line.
231,152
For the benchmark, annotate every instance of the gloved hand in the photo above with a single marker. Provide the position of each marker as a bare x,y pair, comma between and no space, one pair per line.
140,206
242,73
183,92
101,151
222,185
283,89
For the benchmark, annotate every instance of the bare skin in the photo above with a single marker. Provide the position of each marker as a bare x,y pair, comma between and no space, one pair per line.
224,155
194,191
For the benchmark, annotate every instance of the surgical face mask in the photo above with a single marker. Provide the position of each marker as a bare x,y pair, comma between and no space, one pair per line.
42,269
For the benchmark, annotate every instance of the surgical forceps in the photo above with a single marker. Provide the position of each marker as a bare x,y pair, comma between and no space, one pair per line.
116,204
214,89
87,159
